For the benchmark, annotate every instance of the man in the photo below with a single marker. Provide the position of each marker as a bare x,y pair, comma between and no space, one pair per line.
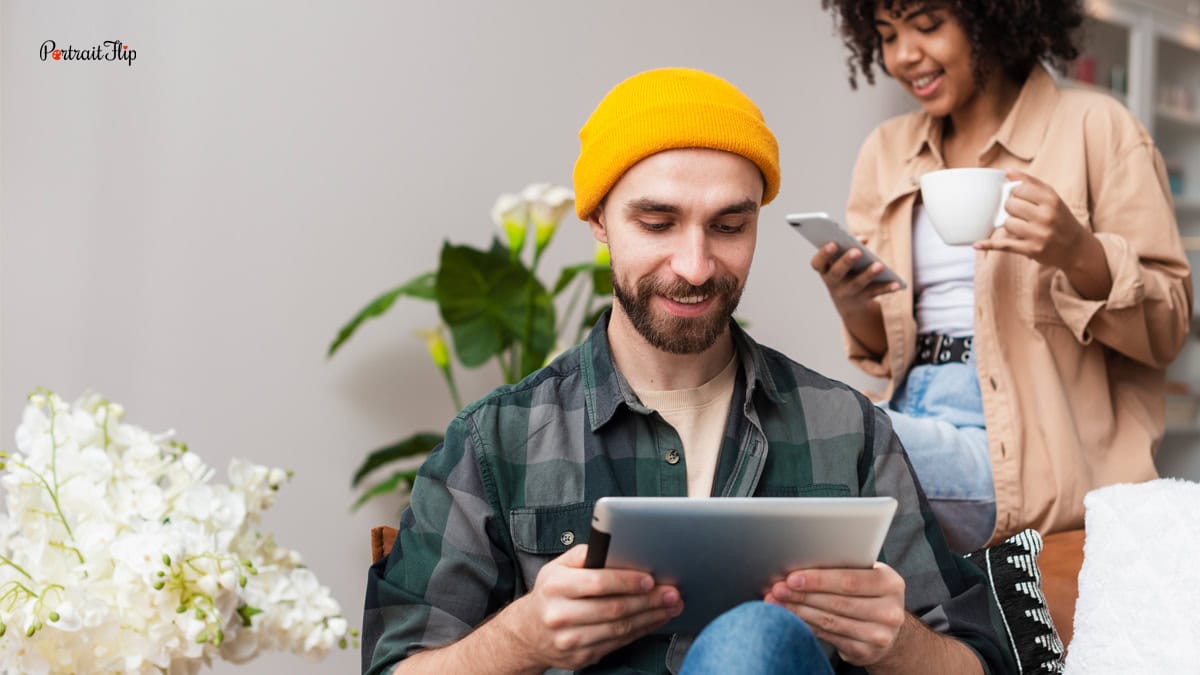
667,396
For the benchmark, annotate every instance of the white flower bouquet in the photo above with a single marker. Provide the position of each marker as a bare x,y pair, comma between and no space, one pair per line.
119,554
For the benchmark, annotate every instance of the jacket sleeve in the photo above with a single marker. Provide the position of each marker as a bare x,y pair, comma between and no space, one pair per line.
448,570
862,219
1148,310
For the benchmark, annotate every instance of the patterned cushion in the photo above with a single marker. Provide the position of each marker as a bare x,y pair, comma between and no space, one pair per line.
1016,583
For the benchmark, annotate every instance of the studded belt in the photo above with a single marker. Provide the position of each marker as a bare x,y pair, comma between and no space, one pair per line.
937,349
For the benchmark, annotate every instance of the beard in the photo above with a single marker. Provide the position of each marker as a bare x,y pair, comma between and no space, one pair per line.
676,334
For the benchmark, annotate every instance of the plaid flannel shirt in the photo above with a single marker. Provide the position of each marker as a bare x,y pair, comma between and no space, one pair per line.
514,483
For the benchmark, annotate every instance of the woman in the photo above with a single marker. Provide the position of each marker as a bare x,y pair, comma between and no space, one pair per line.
1028,369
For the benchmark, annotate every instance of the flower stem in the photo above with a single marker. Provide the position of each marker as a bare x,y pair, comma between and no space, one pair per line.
8,561
566,317
587,311
453,387
72,549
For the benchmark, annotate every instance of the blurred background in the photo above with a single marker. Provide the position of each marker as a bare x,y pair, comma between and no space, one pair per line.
187,234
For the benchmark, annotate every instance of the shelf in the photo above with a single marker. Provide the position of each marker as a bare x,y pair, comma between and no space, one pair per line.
1178,116
1187,206
1072,83
1183,429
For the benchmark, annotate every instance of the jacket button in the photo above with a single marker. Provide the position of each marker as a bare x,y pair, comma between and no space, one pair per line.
672,457
567,538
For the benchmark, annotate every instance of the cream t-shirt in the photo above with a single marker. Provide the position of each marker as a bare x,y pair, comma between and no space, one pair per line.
698,416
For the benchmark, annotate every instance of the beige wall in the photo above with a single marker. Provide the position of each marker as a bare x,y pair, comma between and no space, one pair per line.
186,235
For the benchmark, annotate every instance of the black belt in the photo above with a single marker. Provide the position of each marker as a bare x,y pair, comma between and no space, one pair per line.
937,349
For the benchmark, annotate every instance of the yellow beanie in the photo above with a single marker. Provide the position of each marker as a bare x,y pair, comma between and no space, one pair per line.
666,109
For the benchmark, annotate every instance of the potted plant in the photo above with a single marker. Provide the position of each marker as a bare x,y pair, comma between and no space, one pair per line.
495,308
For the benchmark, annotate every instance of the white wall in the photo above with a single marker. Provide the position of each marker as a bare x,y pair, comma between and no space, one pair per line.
187,234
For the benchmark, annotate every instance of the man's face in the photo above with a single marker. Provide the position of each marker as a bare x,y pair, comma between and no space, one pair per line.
681,227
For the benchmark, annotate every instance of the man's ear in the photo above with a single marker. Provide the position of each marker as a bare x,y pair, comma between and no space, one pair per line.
596,222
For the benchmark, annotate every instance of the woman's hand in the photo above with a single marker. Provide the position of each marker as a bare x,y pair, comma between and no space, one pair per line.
852,293
1041,227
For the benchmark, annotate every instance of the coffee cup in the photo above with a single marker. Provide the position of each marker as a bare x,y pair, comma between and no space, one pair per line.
965,205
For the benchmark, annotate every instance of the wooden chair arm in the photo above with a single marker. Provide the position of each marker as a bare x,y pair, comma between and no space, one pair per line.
382,538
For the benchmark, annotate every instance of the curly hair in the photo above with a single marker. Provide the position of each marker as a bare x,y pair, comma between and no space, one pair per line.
1009,35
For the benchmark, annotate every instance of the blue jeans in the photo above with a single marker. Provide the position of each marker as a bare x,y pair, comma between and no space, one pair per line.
756,638
938,415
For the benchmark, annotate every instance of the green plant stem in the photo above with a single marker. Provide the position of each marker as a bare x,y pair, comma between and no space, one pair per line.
450,384
587,311
8,561
506,369
72,549
53,497
563,322
527,335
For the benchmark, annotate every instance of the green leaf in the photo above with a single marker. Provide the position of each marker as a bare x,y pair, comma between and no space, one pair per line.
489,302
602,280
387,487
246,611
421,287
568,275
416,444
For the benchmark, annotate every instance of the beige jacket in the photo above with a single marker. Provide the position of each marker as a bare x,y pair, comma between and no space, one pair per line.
1073,389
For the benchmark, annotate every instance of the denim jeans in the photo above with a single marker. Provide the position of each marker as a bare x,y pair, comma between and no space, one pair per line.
938,415
756,638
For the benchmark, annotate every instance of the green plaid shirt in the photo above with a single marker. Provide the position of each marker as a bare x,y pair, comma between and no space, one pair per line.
514,483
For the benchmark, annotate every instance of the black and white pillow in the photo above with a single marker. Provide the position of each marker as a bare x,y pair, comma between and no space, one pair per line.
1016,583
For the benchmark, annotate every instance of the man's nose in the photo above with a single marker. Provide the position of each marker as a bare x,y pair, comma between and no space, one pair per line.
693,261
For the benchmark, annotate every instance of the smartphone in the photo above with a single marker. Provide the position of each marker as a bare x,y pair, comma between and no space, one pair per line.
820,229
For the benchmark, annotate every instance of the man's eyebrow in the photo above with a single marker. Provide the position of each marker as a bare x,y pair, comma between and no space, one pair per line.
648,205
744,206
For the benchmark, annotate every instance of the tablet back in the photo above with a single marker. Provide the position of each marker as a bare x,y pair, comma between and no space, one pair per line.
721,552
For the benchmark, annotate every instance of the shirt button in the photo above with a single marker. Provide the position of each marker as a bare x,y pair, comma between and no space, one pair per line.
672,457
567,538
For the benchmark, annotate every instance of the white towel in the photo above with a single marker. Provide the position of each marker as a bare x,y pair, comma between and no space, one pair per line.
1139,593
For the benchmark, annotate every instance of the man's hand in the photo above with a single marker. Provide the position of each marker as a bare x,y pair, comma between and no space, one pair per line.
572,617
859,612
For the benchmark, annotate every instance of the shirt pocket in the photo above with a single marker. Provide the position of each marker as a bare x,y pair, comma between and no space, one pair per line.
812,490
550,530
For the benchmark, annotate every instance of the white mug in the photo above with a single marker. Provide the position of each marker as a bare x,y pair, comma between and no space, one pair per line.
965,205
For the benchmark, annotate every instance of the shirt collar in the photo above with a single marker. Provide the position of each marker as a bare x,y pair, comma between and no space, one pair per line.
606,389
1023,128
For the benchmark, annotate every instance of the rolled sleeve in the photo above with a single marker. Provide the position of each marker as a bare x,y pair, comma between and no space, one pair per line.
1148,309
1127,290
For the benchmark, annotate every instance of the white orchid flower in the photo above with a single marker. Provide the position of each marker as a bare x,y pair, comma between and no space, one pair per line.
510,213
547,210
132,560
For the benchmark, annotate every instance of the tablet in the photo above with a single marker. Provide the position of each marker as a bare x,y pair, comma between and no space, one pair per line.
723,551
820,229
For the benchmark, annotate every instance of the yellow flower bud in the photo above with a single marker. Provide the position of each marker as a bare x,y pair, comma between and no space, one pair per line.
436,344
